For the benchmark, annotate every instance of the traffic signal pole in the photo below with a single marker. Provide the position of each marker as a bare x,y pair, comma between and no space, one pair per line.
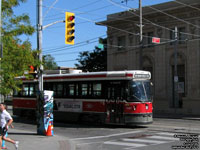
39,42
44,125
1,47
176,96
141,38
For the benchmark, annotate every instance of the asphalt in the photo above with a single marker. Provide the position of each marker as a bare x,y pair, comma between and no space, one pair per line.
29,140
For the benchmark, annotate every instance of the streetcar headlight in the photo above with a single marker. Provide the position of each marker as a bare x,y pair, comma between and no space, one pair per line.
147,106
134,107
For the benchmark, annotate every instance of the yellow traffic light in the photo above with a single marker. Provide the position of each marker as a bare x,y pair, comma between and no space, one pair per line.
69,28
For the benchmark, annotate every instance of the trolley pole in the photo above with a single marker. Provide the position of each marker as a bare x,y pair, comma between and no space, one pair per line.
176,98
141,37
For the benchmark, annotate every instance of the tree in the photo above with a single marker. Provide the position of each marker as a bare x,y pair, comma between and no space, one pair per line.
49,63
95,60
17,54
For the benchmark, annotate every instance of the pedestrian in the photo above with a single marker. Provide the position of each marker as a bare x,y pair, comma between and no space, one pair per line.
5,121
3,146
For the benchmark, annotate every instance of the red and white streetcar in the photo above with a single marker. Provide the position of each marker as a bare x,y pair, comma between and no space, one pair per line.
112,97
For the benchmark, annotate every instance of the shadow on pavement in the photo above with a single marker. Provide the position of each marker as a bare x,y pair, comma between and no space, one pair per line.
21,133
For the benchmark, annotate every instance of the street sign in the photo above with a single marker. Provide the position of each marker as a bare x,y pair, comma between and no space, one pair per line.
155,40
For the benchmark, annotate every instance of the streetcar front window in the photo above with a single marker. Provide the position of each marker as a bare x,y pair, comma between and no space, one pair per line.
140,91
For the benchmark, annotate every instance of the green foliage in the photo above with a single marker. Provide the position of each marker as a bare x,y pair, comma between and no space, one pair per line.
95,60
49,63
17,54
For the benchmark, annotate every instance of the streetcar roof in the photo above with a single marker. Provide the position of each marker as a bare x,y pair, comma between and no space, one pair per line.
108,75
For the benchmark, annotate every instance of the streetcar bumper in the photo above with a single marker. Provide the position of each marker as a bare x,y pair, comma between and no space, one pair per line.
137,119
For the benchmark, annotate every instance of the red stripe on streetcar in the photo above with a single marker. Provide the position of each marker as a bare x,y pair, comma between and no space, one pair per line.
93,106
129,75
24,103
75,77
138,108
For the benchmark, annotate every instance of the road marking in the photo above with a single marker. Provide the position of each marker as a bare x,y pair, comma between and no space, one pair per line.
125,144
144,141
163,138
106,136
133,143
166,133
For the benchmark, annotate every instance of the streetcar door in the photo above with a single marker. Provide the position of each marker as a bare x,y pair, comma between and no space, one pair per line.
114,102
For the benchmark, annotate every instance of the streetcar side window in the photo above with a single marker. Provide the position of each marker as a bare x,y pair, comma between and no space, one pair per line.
84,89
59,91
72,88
97,89
25,90
32,90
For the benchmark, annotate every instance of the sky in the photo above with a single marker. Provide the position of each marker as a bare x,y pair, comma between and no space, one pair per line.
87,12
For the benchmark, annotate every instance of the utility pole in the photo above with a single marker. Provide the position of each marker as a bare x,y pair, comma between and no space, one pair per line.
40,102
1,47
141,38
43,127
39,42
176,98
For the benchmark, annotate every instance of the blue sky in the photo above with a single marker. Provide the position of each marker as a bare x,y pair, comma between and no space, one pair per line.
87,12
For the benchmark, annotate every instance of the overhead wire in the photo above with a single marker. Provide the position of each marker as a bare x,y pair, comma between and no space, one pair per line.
121,29
177,1
50,8
86,5
173,17
125,7
136,47
82,42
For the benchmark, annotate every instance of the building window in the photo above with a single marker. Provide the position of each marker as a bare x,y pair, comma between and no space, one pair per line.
144,40
181,35
172,36
149,41
121,42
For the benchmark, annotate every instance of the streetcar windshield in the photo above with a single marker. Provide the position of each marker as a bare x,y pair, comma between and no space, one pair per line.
139,91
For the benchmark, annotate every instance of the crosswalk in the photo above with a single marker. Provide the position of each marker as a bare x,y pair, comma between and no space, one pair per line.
132,143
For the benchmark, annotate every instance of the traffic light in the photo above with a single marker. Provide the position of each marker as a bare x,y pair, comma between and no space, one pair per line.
33,71
69,28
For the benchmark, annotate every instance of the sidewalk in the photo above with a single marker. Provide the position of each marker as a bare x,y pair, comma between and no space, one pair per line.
177,116
31,141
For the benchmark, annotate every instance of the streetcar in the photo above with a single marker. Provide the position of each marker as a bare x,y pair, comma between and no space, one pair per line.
112,97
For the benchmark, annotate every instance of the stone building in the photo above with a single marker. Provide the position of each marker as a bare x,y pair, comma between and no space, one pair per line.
160,21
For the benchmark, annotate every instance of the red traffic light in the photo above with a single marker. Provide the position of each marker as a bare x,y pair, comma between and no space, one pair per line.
71,18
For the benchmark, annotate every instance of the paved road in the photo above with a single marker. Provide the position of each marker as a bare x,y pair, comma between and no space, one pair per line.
159,135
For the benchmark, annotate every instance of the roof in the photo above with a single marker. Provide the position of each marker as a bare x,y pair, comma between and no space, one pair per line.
130,74
168,6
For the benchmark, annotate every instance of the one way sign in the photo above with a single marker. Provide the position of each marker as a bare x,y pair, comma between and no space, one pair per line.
155,40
